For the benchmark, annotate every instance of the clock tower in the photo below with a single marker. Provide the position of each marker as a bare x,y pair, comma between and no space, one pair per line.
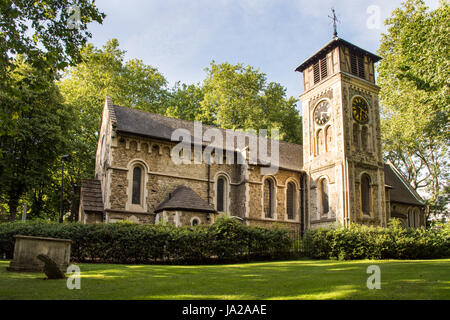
341,137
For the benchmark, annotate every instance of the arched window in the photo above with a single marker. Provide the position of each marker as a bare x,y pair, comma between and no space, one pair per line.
413,218
320,142
137,185
195,221
410,218
365,194
155,148
324,201
133,145
328,138
417,217
269,201
222,194
290,201
364,138
356,135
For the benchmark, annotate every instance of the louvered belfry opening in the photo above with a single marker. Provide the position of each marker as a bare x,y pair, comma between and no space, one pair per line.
323,68
316,73
357,64
320,70
361,67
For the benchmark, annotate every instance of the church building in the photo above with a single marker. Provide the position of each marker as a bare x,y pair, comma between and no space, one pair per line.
338,175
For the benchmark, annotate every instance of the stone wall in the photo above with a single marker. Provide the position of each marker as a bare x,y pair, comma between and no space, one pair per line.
184,218
163,176
400,211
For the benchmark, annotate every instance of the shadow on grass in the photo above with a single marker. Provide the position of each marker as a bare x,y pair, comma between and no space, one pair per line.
305,279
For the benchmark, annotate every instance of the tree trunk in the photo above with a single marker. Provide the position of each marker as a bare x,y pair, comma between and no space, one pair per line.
13,203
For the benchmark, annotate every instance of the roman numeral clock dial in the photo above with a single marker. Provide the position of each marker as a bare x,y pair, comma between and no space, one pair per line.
360,110
322,113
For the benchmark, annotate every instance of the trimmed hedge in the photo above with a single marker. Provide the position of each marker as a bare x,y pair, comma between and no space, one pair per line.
225,240
363,242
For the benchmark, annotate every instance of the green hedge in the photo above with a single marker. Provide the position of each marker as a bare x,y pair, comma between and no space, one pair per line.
363,242
225,240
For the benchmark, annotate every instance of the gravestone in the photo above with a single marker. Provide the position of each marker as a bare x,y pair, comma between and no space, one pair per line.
27,249
51,269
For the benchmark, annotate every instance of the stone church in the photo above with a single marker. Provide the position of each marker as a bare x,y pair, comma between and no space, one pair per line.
338,175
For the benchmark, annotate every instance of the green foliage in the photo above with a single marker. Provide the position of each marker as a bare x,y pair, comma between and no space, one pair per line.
105,72
30,150
41,31
225,240
364,242
239,97
184,101
414,78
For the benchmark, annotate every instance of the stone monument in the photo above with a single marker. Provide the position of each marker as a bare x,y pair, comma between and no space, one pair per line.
27,249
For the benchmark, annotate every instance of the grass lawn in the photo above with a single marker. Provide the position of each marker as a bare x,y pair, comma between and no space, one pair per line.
303,279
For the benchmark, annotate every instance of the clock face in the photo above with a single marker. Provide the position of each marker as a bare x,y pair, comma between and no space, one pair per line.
322,113
360,110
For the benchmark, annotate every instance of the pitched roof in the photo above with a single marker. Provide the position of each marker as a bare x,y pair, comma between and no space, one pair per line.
152,125
401,190
330,46
91,195
184,198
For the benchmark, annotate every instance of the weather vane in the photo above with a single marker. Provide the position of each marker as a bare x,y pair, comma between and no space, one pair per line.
335,20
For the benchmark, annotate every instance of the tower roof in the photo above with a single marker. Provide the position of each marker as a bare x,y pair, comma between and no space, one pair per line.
336,41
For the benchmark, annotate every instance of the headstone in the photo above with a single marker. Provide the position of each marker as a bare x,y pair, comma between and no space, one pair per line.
27,248
51,269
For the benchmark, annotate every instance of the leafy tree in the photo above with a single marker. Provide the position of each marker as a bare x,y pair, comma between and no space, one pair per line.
48,35
239,97
414,78
29,152
50,30
105,72
184,101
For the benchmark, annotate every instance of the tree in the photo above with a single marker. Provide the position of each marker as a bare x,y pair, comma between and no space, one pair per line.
29,152
50,30
105,72
184,101
239,97
414,78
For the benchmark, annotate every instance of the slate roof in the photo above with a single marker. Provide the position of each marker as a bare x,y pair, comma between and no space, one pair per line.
401,190
91,195
331,45
184,198
132,121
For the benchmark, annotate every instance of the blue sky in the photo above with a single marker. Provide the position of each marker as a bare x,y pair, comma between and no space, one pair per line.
181,37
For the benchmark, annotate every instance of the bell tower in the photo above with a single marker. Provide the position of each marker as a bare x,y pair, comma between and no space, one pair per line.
341,137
